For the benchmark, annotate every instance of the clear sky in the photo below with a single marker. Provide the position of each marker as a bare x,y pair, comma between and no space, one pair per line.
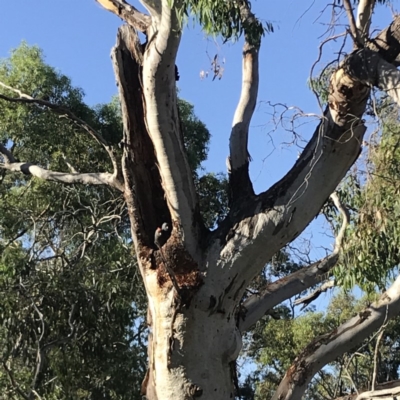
77,35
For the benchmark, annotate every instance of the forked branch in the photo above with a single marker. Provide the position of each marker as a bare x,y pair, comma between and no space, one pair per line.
267,222
306,300
283,289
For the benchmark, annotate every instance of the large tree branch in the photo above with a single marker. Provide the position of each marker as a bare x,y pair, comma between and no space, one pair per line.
90,178
328,347
249,237
389,79
128,13
370,68
238,163
276,292
164,126
383,391
64,112
146,204
387,43
100,178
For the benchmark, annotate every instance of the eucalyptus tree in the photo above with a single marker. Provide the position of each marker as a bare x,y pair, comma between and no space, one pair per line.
195,279
71,293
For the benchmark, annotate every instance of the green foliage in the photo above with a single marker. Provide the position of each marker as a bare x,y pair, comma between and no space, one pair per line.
320,84
223,17
43,137
371,248
72,291
212,190
195,134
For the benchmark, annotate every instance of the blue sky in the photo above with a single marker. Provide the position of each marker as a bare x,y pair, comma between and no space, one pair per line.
77,35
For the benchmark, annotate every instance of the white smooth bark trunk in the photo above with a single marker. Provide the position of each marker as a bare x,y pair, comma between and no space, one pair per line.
190,351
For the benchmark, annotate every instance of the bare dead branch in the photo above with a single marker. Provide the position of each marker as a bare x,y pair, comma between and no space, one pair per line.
346,220
285,288
59,341
328,347
320,51
36,394
64,112
128,13
384,394
375,371
70,166
23,231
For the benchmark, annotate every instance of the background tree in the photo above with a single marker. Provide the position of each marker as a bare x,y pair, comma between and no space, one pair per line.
196,280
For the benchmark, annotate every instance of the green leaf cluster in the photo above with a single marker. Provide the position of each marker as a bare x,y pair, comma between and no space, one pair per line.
223,17
371,249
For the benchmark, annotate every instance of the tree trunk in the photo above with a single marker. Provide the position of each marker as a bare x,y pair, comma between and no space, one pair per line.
190,351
